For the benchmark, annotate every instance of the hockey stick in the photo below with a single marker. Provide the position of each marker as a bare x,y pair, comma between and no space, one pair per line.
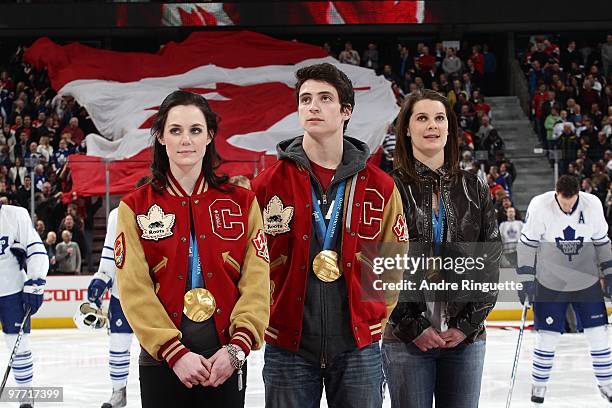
517,352
15,348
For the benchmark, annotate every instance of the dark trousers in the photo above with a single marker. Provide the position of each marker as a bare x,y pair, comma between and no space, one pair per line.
161,388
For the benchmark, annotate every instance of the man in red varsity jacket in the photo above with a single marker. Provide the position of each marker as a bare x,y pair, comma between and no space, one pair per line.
324,211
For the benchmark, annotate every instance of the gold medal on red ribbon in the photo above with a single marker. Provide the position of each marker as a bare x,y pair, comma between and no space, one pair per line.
199,304
325,266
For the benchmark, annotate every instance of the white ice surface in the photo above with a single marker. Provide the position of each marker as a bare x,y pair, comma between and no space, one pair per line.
77,361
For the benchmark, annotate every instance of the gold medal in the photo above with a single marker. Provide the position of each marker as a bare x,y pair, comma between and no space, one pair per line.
199,304
325,266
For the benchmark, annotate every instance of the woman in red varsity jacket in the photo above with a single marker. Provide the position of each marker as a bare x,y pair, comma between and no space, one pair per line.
192,266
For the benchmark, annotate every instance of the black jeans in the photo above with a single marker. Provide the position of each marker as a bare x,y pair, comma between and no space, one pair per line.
161,388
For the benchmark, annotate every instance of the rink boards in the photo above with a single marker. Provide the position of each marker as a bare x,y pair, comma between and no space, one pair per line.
64,294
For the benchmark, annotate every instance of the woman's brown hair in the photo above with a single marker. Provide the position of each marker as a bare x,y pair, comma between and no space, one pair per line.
404,156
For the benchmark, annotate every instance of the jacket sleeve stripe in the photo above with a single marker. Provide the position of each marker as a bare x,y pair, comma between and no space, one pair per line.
244,339
168,348
175,352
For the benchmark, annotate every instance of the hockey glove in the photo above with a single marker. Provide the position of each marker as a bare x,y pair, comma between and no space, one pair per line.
97,287
527,293
32,294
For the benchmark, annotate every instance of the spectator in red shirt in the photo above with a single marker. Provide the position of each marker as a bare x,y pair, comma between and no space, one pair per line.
479,103
478,59
494,187
588,96
75,131
17,124
40,120
551,48
426,63
536,109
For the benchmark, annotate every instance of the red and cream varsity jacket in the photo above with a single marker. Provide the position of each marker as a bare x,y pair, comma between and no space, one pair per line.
372,215
152,252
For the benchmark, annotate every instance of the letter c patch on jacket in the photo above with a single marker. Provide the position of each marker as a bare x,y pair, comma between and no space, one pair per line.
373,211
155,225
226,219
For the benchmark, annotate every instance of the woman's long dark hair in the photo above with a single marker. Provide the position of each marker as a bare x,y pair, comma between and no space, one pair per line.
404,159
161,164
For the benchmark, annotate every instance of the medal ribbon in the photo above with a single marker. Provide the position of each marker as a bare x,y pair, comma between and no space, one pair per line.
195,269
328,234
438,224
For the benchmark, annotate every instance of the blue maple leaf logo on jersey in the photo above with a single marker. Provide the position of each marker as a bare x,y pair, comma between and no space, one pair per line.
512,233
570,244
3,244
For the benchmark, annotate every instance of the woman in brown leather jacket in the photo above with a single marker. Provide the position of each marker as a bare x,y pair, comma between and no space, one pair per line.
434,343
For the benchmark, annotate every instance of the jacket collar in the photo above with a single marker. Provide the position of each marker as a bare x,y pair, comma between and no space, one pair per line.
424,171
174,188
355,154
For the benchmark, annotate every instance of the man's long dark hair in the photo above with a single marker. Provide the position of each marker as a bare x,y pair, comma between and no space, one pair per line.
404,156
161,164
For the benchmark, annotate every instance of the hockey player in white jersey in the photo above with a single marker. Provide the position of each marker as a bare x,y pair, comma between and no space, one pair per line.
120,331
565,246
23,269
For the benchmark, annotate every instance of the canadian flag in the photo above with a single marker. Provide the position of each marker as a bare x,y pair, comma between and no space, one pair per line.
294,13
248,79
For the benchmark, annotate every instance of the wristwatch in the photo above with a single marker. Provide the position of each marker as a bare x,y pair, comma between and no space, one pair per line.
237,356
237,359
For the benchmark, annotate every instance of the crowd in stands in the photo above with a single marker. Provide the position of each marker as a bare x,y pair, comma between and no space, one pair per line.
571,107
38,131
463,77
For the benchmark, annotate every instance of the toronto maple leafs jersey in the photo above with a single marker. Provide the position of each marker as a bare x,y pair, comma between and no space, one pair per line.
571,248
18,236
106,269
510,232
